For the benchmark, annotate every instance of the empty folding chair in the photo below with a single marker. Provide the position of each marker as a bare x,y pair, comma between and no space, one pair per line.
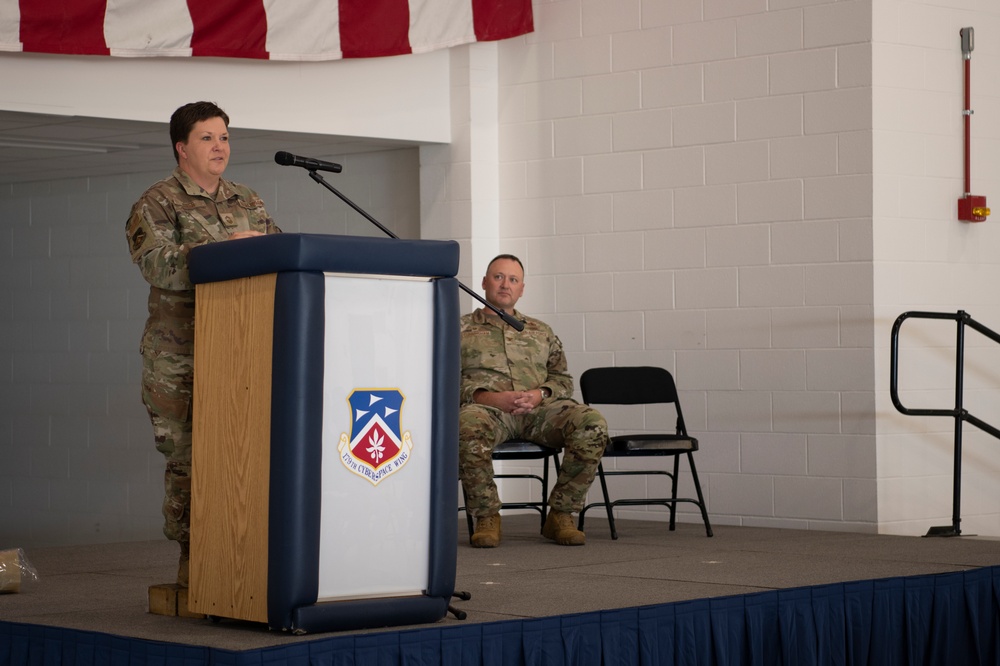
642,385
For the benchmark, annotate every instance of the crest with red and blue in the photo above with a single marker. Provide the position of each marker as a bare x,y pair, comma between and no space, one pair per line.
376,439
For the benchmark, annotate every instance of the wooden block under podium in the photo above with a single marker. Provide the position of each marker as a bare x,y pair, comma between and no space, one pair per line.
170,599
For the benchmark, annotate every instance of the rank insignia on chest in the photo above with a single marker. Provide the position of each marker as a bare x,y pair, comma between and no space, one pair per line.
376,447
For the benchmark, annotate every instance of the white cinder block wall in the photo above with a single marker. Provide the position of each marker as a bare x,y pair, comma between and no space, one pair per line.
926,261
78,462
743,193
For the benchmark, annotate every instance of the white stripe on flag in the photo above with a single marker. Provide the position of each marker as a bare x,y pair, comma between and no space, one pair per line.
144,28
303,29
10,25
437,24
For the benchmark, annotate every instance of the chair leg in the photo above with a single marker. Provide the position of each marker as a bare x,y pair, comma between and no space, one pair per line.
468,516
701,498
544,505
673,494
607,502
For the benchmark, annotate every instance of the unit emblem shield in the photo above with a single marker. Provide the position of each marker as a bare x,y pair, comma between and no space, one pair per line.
376,447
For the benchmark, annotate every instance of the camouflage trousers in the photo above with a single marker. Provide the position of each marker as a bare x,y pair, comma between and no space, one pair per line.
580,431
167,382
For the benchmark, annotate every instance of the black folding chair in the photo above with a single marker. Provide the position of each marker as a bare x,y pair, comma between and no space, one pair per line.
642,385
522,449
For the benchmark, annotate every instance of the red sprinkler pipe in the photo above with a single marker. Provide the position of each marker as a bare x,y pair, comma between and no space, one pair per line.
970,208
967,113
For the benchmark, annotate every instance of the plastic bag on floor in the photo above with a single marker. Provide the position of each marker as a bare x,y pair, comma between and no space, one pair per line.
14,568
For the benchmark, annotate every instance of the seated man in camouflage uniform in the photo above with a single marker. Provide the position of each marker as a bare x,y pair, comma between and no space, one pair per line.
194,206
516,385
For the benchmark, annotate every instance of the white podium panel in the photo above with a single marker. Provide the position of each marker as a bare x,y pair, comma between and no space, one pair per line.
376,470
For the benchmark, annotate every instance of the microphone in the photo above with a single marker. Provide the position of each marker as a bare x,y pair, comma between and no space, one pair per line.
516,324
287,159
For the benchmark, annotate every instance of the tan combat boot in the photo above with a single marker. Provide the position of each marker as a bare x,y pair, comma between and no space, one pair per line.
487,534
561,528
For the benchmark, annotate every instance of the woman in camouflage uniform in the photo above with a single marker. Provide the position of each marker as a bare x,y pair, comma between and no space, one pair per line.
194,206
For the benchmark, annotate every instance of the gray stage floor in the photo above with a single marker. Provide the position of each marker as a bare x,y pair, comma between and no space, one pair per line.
103,588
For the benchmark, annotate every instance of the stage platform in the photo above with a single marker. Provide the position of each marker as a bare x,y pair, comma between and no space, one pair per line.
651,592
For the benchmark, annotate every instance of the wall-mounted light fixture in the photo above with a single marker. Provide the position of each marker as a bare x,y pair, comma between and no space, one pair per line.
73,146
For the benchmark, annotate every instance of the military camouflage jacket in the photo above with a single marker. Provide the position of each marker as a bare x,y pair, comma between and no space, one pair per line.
169,219
495,357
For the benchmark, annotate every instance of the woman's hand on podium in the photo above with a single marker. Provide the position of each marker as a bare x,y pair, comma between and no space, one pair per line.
244,234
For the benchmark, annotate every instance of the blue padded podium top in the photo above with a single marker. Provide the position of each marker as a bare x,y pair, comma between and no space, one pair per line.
277,253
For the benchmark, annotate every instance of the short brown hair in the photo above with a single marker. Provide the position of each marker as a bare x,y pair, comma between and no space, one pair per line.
184,118
508,257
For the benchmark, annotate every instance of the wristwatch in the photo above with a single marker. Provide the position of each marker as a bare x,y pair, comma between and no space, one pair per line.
545,391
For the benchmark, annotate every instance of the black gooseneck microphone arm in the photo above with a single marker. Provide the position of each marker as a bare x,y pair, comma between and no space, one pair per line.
516,324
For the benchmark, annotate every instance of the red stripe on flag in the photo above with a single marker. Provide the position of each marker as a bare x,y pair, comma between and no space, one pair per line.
500,19
372,28
228,28
63,26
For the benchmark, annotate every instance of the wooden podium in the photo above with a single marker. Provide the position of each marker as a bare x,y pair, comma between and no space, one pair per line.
325,438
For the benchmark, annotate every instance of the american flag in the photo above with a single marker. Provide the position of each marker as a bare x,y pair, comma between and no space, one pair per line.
265,29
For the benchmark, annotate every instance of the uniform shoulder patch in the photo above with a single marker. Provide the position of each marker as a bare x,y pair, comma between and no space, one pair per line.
137,239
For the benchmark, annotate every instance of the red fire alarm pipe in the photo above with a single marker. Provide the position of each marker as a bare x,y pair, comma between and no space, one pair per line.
967,117
971,208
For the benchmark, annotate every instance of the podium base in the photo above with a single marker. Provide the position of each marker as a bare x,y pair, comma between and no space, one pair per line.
170,599
367,614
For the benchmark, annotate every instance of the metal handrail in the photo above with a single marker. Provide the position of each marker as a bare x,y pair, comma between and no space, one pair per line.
959,413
